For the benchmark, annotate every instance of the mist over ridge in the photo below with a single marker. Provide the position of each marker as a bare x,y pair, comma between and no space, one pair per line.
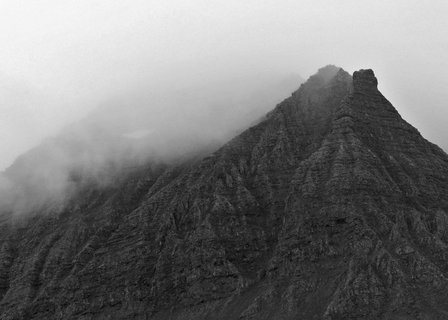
135,128
60,60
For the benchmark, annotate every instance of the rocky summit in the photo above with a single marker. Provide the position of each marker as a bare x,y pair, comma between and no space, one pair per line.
331,207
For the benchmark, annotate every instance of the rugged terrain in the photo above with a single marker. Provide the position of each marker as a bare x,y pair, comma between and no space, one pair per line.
332,207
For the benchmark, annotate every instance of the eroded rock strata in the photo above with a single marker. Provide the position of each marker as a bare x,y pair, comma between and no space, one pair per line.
332,207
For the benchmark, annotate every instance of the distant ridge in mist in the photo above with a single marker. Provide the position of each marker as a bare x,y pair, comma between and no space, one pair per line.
135,127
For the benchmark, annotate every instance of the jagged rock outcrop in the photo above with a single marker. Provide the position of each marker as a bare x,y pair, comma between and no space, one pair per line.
332,207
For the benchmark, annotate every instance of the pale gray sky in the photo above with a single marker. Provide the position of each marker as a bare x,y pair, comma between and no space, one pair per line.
60,58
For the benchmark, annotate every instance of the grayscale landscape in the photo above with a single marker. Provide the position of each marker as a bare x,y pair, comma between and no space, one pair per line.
271,160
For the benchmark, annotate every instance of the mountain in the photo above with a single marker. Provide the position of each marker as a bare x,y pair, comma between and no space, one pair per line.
332,207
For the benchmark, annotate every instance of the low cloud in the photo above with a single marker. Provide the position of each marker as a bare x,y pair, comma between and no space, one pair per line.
133,129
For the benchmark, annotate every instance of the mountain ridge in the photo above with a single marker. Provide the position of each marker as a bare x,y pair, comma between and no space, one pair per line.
332,207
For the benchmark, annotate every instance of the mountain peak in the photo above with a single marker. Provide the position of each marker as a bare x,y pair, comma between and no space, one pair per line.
328,72
364,81
327,82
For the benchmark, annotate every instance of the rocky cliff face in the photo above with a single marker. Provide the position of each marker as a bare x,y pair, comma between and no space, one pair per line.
333,207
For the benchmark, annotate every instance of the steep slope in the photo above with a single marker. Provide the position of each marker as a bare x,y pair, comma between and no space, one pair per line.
333,207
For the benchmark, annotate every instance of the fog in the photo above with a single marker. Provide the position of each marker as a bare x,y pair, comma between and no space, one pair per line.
140,127
185,74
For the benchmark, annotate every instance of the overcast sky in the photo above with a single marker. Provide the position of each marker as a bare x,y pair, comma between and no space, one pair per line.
60,58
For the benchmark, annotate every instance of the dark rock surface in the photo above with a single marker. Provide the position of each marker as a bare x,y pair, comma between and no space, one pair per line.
333,207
